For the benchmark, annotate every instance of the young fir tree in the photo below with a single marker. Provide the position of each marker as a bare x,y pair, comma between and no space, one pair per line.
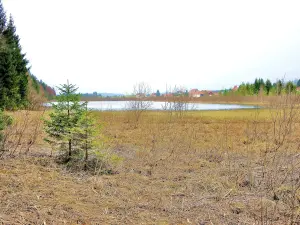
86,134
87,131
65,119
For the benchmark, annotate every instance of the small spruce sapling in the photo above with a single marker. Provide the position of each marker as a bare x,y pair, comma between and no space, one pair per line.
64,119
85,134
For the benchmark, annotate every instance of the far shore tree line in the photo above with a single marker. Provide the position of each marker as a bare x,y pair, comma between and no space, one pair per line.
258,87
266,88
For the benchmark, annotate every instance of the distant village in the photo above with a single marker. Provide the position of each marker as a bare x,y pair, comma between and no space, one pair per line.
193,93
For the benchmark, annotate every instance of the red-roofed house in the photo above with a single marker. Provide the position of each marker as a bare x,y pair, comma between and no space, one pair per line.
168,95
140,95
235,88
195,93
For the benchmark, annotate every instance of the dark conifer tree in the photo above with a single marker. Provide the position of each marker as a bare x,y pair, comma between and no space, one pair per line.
2,18
268,86
14,74
256,86
19,61
9,90
3,55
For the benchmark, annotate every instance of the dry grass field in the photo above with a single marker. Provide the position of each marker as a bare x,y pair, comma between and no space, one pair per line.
204,167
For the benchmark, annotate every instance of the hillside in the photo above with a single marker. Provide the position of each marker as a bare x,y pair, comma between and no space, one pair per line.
41,87
38,92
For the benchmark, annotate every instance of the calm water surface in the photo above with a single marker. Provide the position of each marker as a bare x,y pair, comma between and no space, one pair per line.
124,105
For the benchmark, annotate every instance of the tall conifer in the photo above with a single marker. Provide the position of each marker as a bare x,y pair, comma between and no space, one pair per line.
19,62
2,18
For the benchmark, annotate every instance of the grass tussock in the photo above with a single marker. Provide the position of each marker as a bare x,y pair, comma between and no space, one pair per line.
221,167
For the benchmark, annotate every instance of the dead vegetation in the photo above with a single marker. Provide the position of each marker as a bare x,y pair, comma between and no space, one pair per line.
24,133
221,167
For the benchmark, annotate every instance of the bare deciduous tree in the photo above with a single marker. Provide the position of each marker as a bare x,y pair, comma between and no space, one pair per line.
140,104
177,101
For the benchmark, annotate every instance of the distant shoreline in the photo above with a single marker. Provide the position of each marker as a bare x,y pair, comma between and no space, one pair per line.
241,100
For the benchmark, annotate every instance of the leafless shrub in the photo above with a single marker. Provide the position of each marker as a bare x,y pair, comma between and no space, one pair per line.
35,101
140,104
176,102
277,172
23,134
36,124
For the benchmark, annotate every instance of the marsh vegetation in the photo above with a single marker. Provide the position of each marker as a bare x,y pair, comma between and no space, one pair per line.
210,167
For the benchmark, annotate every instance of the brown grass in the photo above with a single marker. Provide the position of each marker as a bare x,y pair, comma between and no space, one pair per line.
221,167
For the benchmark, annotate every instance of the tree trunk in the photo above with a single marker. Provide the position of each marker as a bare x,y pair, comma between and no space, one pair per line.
86,152
70,147
70,142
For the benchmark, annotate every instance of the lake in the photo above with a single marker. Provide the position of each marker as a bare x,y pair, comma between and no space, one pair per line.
125,105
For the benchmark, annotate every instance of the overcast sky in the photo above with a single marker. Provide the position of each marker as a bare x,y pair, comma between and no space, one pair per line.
108,46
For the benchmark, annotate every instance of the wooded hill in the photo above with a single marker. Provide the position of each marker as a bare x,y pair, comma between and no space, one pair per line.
41,87
15,79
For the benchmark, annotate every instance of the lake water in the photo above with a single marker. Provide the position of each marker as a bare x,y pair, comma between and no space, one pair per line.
126,105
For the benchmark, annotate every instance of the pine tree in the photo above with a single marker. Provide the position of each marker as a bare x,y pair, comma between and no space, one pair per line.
256,86
290,87
9,90
157,93
65,119
2,18
279,87
4,61
268,86
19,61
14,74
